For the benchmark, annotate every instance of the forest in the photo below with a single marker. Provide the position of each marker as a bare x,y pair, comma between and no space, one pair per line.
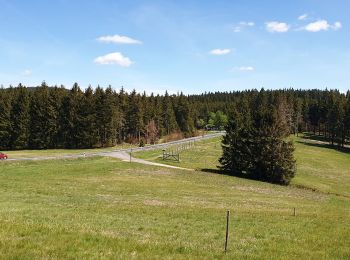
47,117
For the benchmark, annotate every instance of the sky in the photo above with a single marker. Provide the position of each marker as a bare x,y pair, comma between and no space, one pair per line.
189,46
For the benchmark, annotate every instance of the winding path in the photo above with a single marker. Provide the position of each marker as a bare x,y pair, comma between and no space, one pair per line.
124,154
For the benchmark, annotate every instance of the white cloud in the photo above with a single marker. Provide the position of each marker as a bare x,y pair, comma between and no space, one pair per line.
119,39
246,68
113,58
27,72
220,51
322,25
303,17
277,27
241,25
337,26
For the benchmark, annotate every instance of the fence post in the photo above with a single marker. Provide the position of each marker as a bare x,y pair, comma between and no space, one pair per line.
227,229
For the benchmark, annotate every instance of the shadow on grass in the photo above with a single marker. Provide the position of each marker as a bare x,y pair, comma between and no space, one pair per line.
321,141
315,137
241,176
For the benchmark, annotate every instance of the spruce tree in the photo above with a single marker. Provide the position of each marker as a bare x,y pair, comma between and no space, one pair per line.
255,143
41,113
87,135
71,120
168,116
183,116
5,119
134,117
20,118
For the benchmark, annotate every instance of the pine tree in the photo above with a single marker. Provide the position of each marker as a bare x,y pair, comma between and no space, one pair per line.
70,119
254,145
347,117
41,113
168,116
55,98
122,103
134,117
183,116
5,119
20,119
112,117
87,113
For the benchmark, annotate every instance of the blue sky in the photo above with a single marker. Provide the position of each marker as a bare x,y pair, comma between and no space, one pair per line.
189,46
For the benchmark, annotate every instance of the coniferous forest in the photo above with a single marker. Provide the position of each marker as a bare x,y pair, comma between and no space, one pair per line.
56,117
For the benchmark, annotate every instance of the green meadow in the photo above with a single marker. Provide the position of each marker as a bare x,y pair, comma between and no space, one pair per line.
104,208
62,152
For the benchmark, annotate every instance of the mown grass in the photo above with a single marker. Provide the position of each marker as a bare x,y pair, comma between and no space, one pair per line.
62,152
322,168
319,166
104,208
200,155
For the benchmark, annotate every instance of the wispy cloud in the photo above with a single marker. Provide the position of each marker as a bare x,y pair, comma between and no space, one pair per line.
241,25
277,27
27,72
118,39
244,68
322,25
220,51
303,17
113,58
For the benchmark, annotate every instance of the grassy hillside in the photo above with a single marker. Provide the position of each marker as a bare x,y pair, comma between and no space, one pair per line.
104,208
319,166
202,155
61,152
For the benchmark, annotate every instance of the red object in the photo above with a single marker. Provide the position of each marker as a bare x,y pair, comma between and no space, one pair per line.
3,156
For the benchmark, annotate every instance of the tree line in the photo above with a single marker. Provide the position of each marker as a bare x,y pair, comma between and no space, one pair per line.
55,117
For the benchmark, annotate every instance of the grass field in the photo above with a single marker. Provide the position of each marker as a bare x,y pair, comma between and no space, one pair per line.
105,208
202,155
62,152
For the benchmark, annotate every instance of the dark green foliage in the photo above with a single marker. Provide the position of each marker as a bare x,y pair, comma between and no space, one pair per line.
88,132
19,119
54,117
255,146
42,125
183,116
134,122
168,115
5,119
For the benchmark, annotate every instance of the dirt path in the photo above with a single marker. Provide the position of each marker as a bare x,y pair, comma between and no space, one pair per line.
126,158
124,154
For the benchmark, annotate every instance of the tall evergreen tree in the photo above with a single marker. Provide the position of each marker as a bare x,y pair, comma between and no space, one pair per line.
87,114
20,119
255,145
134,118
40,118
5,119
168,116
183,115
